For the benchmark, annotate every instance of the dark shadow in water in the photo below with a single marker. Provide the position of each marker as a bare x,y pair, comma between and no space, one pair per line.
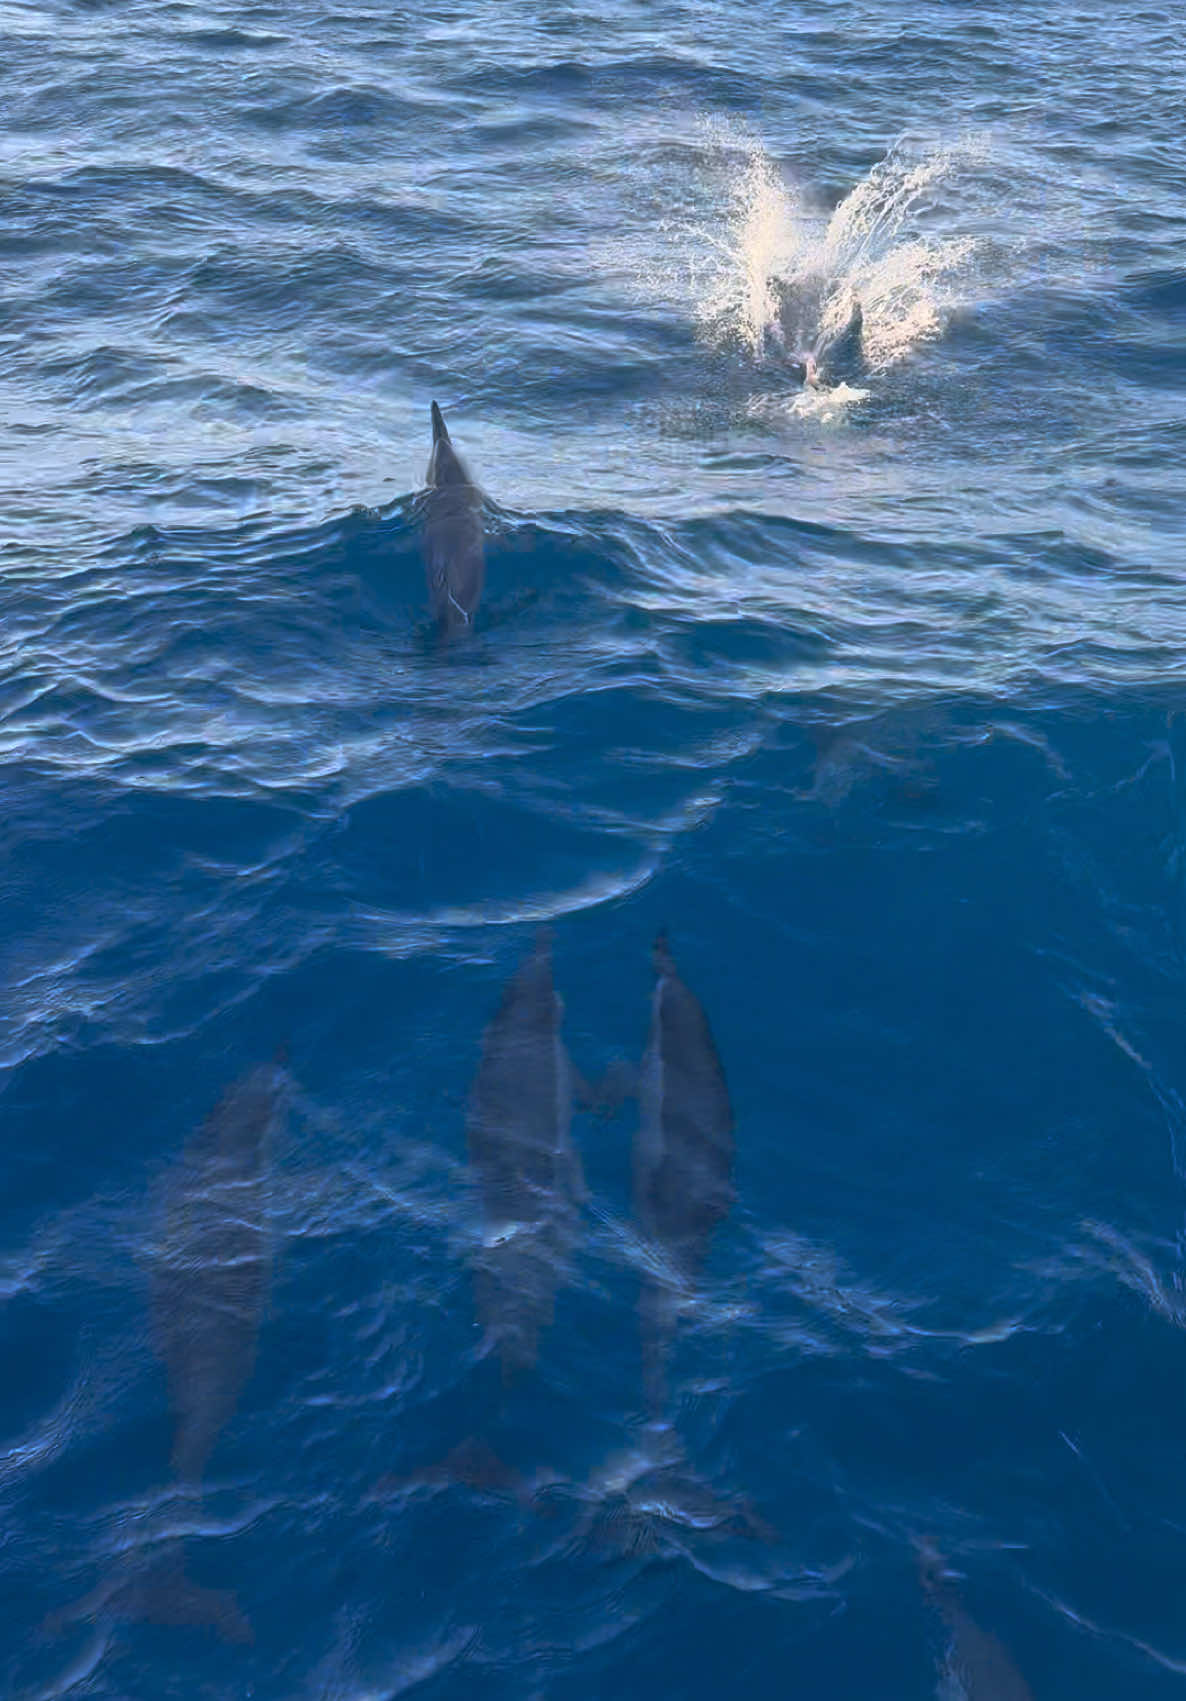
211,1274
527,1173
683,1159
529,1187
214,1264
975,1664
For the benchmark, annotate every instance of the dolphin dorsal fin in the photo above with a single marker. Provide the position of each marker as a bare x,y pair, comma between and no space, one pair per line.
440,431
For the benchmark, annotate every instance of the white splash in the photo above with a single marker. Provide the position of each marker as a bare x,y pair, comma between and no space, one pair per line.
825,404
751,241
771,274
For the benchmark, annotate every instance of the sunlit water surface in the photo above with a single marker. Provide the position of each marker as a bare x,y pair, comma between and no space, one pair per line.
870,694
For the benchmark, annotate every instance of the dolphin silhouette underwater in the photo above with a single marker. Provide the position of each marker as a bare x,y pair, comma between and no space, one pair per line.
455,557
528,1174
683,1153
529,1186
210,1278
212,1275
975,1664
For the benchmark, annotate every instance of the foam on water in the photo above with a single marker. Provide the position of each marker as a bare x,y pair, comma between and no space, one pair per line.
826,403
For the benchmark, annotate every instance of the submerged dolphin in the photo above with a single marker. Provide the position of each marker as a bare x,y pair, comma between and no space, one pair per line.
211,1278
976,1664
209,1283
528,1174
683,1156
455,553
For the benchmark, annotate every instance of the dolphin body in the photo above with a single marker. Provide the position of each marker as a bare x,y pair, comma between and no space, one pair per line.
822,358
528,1174
976,1665
683,1155
839,355
211,1281
455,559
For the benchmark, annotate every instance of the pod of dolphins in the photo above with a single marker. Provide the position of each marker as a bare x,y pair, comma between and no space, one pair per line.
212,1271
212,1268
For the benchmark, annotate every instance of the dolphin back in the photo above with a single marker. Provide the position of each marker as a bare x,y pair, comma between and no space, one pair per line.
455,551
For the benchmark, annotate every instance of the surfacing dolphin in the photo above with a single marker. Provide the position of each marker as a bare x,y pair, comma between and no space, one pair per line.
454,549
976,1665
818,351
683,1155
838,355
528,1174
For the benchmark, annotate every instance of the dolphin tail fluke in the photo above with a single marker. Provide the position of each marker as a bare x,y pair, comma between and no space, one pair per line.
160,1593
472,1464
440,431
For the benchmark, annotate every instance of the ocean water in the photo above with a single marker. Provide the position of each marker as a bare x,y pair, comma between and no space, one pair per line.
871,695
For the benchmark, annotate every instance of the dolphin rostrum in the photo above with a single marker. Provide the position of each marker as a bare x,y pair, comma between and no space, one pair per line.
455,553
213,1268
976,1664
528,1174
683,1156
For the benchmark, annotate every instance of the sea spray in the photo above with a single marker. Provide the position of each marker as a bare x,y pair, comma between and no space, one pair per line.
765,271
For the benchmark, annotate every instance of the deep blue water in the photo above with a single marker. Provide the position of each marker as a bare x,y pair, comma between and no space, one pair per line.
871,696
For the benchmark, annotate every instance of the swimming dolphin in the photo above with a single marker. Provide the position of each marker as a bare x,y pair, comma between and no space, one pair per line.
527,1171
838,355
212,1273
976,1664
210,1277
455,553
683,1155
817,354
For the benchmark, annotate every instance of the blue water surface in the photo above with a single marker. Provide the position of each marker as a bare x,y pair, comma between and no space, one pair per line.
871,695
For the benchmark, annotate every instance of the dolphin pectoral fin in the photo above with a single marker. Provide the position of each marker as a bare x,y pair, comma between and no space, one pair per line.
440,431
